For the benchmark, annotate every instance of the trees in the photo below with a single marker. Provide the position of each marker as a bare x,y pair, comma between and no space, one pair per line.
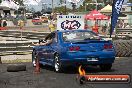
61,9
130,1
61,1
86,6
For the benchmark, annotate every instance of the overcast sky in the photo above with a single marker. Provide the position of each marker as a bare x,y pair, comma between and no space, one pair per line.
48,3
38,6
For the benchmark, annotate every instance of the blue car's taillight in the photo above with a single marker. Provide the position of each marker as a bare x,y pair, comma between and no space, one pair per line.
74,48
108,46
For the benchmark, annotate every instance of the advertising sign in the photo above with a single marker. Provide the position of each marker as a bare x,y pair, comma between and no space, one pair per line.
70,22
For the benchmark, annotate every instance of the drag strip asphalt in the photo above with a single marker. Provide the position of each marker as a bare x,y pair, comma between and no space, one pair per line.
50,79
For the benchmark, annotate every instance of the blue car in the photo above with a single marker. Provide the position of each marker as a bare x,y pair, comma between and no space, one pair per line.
73,48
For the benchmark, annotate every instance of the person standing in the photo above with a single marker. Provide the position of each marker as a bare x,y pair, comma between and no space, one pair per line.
104,28
0,23
95,28
51,26
4,23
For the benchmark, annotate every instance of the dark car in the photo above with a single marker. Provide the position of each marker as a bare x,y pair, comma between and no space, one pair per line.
75,47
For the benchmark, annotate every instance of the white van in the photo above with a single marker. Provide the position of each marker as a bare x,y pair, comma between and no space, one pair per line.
29,15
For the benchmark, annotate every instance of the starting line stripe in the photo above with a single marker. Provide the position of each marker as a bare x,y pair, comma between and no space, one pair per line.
24,53
16,61
15,53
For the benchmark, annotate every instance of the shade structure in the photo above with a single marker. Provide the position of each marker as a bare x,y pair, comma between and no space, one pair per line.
8,5
107,8
95,15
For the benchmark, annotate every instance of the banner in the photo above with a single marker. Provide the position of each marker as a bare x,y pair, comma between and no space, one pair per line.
116,8
70,22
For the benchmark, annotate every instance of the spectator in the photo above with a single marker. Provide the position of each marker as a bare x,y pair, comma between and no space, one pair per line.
104,28
95,28
4,23
0,23
51,26
48,40
51,16
0,16
86,26
127,25
43,42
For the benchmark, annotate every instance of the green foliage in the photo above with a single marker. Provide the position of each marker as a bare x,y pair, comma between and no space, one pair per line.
62,9
88,7
0,1
130,1
61,1
85,7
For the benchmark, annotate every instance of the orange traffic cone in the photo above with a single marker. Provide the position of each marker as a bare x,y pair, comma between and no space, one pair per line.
37,68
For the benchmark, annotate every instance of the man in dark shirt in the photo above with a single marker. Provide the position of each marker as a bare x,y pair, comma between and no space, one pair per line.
48,40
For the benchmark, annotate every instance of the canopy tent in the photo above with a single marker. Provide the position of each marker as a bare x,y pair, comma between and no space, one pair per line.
107,8
9,4
95,15
4,7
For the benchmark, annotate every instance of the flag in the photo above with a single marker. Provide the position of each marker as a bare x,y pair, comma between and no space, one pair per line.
116,8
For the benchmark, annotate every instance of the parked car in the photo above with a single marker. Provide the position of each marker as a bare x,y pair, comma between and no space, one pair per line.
75,47
44,19
37,21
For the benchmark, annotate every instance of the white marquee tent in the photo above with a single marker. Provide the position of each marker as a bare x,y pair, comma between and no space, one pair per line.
107,8
9,4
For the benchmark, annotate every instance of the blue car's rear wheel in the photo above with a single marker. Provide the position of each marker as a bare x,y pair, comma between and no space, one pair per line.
57,63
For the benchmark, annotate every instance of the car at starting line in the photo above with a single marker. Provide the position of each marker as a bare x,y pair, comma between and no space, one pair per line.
73,48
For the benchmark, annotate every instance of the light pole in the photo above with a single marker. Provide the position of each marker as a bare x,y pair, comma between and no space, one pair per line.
65,7
44,7
52,7
73,6
86,6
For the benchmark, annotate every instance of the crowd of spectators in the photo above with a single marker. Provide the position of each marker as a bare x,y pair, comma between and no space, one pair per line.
122,24
3,22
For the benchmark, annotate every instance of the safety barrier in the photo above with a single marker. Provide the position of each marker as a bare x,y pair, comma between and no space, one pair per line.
124,32
12,47
3,28
123,48
15,48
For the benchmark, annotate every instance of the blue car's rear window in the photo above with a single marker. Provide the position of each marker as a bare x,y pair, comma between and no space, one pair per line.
79,36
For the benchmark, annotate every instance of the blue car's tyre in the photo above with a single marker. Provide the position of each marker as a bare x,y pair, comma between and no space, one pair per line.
33,59
57,63
105,67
